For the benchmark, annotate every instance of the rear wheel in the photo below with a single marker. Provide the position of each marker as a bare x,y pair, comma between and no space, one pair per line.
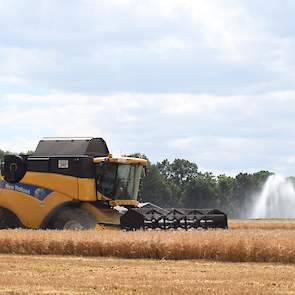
74,219
8,219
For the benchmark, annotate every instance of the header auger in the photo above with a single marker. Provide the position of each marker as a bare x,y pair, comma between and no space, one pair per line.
71,183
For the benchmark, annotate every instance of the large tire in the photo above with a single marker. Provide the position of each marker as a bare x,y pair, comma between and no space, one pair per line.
74,219
8,220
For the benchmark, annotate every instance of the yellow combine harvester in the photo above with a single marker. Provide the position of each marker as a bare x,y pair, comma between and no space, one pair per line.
77,184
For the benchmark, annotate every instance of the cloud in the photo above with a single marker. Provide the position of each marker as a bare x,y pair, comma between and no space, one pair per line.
153,46
227,133
211,81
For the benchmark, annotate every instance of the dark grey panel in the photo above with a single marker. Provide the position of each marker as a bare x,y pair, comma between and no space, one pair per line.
73,166
95,147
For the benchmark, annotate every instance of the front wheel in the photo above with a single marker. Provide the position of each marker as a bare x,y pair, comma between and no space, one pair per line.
74,219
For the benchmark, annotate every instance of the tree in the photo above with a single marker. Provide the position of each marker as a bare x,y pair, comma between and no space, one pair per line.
180,171
156,189
261,177
2,154
226,185
201,192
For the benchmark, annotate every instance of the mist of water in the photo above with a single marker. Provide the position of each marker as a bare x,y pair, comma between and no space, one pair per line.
277,199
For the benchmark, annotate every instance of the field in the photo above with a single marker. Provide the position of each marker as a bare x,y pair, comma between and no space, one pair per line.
89,275
251,257
246,241
264,224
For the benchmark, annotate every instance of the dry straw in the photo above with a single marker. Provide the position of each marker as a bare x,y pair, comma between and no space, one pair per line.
262,224
232,245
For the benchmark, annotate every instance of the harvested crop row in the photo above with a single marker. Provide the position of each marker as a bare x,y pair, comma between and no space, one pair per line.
237,245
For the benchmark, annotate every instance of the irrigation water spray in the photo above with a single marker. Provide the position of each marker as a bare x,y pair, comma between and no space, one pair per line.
277,199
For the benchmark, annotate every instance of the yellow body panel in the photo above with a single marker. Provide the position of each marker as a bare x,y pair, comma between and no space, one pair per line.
106,216
87,189
30,211
121,160
64,184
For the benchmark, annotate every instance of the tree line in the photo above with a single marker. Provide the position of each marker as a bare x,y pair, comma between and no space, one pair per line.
180,184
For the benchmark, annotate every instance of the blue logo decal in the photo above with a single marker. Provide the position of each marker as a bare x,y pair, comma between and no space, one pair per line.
36,192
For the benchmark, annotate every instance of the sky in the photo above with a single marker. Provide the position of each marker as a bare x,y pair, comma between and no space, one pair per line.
211,81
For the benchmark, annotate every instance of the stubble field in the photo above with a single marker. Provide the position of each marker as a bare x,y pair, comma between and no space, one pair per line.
93,275
252,257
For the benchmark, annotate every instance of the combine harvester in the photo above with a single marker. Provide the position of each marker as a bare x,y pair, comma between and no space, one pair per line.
77,184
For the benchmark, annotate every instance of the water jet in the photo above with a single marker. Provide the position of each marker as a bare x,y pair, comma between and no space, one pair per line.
276,200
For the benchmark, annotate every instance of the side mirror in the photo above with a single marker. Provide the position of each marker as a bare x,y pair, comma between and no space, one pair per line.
1,167
144,171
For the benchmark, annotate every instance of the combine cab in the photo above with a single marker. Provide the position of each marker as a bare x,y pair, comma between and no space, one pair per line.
77,184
